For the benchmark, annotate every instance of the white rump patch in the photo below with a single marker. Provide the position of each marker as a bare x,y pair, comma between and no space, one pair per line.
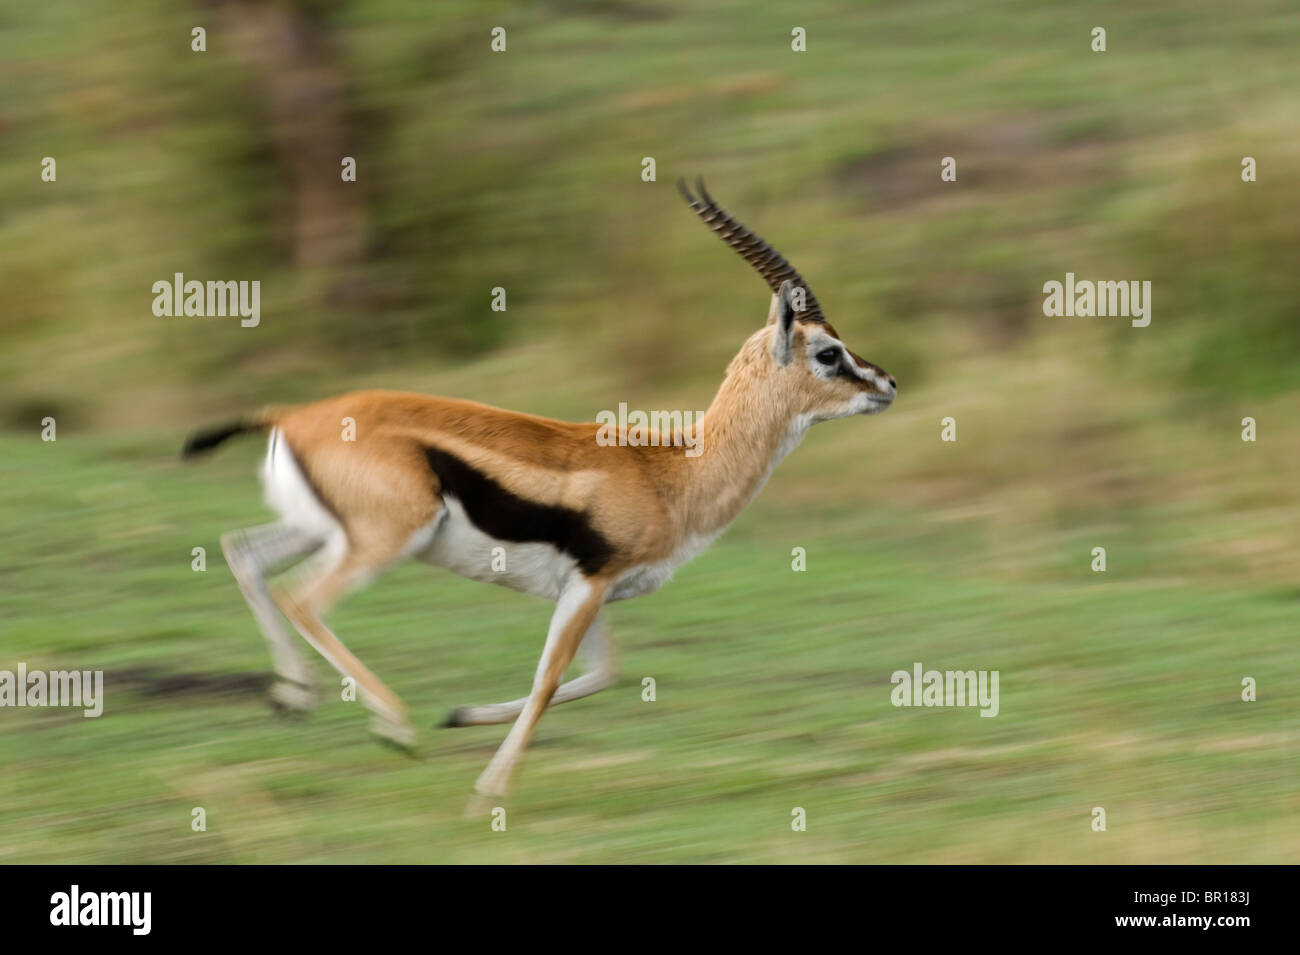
288,493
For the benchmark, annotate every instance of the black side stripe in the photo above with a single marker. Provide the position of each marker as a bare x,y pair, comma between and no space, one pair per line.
499,513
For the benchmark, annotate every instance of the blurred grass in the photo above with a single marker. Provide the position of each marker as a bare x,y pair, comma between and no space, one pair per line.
522,171
773,692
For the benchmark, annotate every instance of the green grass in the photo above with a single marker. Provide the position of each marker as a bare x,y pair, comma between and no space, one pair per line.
773,692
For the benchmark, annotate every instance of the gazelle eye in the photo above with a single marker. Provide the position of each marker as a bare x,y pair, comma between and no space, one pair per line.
829,356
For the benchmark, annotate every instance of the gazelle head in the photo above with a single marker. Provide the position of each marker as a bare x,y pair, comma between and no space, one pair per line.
822,378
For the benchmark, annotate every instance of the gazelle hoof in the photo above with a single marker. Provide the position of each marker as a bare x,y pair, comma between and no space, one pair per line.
401,735
481,806
293,697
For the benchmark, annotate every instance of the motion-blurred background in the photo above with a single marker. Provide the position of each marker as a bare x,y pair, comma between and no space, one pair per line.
523,170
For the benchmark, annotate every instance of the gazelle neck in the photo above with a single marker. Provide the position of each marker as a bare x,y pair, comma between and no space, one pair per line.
748,429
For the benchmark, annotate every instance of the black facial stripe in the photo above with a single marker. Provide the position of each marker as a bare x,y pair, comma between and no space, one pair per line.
499,513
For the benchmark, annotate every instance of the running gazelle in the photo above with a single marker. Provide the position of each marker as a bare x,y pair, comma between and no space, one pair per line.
583,523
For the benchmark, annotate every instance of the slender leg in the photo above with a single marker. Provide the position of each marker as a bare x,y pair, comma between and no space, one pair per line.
574,614
597,655
304,608
252,554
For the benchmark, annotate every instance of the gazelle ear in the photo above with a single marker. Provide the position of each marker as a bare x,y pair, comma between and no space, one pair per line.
781,314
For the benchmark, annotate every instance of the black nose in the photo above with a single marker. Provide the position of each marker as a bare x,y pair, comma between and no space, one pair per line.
892,384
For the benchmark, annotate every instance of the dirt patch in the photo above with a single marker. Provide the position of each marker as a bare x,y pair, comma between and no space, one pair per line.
158,682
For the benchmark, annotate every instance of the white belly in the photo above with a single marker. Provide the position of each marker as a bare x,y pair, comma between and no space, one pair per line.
457,545
454,543
648,578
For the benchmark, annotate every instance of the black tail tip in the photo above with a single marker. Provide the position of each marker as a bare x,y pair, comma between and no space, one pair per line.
201,442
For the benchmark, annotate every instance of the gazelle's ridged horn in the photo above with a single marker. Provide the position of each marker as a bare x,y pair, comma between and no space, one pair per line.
766,260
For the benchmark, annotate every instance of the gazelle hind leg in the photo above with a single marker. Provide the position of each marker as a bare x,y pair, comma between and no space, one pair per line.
574,614
304,606
252,554
596,653
367,533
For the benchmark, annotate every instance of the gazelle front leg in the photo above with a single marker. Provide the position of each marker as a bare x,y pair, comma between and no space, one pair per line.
596,653
575,612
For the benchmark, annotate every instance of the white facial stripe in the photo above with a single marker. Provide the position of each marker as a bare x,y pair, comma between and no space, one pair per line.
820,341
865,374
